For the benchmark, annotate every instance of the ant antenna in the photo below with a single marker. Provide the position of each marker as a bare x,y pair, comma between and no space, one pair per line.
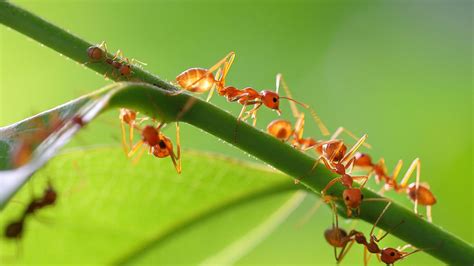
296,113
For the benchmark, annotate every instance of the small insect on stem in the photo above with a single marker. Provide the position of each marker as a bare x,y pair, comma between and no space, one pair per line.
122,64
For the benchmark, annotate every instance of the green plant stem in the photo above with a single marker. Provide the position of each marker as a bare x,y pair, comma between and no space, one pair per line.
162,104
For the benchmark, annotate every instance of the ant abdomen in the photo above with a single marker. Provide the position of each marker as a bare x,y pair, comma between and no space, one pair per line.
280,129
334,237
196,80
423,195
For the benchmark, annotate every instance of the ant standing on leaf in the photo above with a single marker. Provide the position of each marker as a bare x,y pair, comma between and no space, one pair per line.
417,192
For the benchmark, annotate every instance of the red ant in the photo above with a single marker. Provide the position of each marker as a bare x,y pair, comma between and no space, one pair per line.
201,80
339,238
336,158
119,61
417,192
158,144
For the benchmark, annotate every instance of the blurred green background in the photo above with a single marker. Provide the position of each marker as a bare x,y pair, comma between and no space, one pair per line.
400,71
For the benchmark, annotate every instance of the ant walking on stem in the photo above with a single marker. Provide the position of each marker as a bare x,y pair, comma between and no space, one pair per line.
122,64
200,80
417,192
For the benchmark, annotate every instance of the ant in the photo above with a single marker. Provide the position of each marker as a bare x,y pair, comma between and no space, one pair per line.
15,228
158,144
417,192
121,63
336,158
200,80
337,237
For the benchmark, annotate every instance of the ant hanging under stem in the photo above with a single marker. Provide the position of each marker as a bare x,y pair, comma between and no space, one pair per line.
339,238
418,193
158,144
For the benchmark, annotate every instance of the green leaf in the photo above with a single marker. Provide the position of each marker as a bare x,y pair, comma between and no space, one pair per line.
110,210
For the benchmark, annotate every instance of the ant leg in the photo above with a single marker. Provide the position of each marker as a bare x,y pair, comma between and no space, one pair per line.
340,130
227,62
428,213
326,162
345,250
176,158
281,80
416,164
139,156
211,91
135,148
294,109
376,222
364,177
366,258
354,148
124,142
330,184
310,213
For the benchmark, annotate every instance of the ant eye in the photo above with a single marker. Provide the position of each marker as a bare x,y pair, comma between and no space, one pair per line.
275,99
392,253
347,197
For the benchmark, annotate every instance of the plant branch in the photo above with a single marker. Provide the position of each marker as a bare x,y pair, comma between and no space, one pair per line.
166,106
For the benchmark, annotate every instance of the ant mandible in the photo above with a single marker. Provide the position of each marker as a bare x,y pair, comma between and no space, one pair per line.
158,144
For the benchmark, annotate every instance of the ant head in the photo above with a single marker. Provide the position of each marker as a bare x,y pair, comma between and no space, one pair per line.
128,116
334,236
163,147
280,129
391,255
271,100
95,53
362,160
150,136
334,149
352,197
